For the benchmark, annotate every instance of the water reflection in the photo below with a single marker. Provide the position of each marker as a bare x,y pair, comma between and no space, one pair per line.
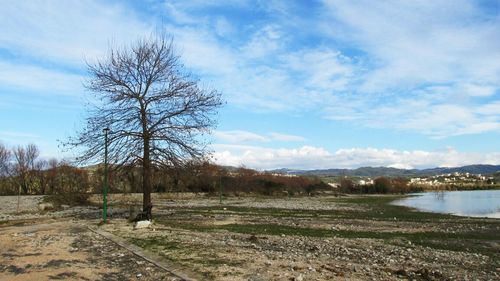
439,195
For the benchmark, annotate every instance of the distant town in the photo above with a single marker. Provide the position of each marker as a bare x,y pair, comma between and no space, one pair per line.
454,179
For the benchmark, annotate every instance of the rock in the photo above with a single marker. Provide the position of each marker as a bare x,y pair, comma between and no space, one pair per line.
142,224
139,275
45,206
268,263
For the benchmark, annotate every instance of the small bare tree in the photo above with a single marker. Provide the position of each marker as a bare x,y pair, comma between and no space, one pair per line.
4,161
25,166
155,109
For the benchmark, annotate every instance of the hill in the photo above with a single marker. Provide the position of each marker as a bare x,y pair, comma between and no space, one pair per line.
393,172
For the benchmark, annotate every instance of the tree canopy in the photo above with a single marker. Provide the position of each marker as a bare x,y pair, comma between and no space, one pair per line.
155,109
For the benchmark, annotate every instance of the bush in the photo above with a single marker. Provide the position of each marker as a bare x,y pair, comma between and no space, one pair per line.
71,199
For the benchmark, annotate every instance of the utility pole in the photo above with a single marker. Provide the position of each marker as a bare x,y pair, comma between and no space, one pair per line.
105,188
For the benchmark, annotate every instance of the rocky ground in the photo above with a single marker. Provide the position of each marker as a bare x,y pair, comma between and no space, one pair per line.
322,238
55,249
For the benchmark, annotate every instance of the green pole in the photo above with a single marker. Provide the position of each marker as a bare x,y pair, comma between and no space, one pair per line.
105,189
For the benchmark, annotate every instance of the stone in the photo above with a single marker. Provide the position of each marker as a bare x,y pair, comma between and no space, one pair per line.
45,206
142,224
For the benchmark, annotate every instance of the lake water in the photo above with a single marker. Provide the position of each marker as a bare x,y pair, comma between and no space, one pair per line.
476,203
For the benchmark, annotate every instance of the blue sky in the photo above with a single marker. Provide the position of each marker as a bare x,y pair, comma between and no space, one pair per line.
308,84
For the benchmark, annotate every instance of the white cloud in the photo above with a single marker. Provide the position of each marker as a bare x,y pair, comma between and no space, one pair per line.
421,42
285,137
266,41
223,27
322,69
475,90
426,65
66,31
309,157
409,76
39,79
239,136
432,112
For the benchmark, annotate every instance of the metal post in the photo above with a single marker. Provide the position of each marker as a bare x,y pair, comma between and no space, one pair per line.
105,188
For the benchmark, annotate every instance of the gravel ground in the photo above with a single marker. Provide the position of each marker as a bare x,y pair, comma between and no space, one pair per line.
57,245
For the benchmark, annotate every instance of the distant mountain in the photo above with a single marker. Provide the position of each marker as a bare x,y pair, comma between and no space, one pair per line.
473,169
393,172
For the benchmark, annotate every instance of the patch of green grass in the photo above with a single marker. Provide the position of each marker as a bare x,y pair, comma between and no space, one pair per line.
377,209
479,235
371,207
272,229
475,241
216,262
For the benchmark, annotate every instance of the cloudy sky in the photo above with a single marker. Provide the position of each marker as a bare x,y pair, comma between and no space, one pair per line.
308,84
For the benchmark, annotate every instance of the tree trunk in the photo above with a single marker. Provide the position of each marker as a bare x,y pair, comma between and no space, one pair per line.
146,176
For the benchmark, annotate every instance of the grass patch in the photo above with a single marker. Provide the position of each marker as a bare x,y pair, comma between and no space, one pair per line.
371,211
480,235
478,242
189,256
371,207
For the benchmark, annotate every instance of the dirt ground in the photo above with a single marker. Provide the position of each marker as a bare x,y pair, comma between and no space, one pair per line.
67,249
292,239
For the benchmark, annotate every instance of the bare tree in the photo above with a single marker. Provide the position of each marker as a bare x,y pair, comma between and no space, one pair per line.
156,111
4,161
52,172
25,165
40,171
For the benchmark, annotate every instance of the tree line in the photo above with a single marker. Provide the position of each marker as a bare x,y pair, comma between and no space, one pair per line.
23,171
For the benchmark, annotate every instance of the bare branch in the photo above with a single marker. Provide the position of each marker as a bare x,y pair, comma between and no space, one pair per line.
155,109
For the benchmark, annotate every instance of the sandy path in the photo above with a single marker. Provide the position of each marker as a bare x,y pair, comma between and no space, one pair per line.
68,250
